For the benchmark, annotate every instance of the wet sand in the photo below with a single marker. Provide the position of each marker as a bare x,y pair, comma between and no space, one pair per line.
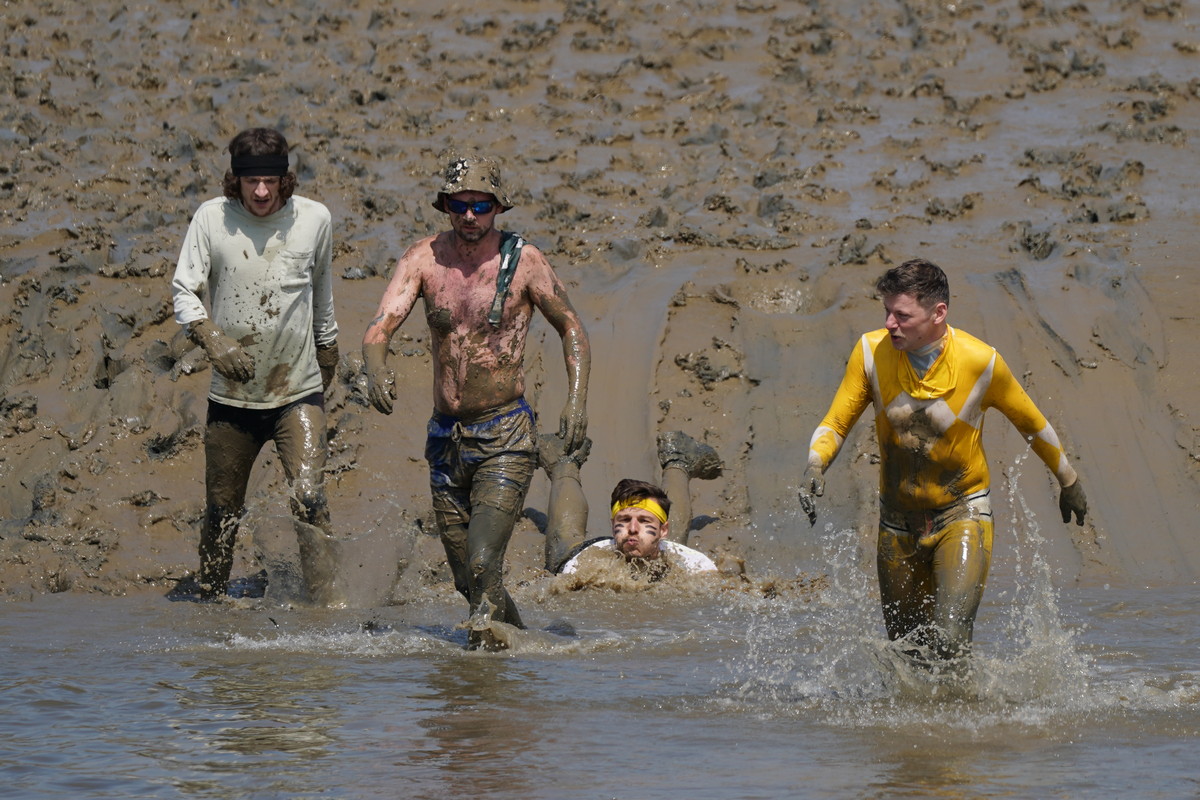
719,185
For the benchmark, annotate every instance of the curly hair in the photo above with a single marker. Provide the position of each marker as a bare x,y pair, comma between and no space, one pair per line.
922,279
258,142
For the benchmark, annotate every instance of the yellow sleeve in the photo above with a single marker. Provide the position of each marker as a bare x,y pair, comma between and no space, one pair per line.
1008,396
852,398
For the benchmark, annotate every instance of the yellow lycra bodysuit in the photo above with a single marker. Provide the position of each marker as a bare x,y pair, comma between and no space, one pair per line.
930,428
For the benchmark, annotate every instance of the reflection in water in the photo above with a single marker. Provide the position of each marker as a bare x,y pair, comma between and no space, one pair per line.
268,706
253,715
483,731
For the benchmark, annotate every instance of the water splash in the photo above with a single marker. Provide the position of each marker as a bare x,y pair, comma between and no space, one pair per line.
832,656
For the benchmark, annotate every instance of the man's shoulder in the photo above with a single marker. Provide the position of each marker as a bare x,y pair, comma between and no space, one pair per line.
530,252
693,560
306,205
969,346
215,205
878,343
875,337
572,562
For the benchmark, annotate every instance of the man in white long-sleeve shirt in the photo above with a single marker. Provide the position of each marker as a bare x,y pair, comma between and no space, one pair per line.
263,257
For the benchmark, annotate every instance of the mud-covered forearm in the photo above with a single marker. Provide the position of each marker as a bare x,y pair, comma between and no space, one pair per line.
578,358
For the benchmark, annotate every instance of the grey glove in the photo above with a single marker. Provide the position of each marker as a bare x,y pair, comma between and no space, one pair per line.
381,381
227,356
572,426
327,360
812,486
1071,500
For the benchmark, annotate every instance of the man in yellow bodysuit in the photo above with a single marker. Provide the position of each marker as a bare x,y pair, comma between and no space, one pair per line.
930,385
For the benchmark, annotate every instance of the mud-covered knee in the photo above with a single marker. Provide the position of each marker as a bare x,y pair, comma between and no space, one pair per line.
484,562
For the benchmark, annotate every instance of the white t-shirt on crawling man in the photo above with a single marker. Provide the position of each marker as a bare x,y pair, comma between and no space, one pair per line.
689,559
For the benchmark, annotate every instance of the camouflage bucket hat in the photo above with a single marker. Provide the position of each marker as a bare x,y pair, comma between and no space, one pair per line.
473,173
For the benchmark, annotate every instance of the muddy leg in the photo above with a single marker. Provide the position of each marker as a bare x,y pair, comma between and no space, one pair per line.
960,567
454,541
300,441
229,453
567,509
683,458
487,542
676,483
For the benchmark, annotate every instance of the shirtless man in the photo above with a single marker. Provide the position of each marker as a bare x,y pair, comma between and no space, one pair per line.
482,440
930,385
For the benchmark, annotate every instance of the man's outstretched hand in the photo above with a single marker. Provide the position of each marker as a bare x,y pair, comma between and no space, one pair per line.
381,381
811,487
1073,500
572,426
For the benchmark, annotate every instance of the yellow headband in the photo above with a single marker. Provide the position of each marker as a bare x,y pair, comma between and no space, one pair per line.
646,503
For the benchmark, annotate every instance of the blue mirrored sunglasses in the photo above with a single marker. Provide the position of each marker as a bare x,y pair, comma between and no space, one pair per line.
478,208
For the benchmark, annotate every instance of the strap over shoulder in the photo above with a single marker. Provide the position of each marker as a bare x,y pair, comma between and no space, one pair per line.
510,255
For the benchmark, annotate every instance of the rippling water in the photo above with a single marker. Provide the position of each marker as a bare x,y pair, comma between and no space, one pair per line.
699,692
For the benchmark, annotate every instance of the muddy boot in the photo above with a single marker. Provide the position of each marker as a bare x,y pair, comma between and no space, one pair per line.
189,588
481,629
698,460
550,452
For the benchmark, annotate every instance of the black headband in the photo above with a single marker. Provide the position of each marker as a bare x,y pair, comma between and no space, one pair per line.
256,166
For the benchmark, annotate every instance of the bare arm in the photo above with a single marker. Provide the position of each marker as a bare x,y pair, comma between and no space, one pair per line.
550,297
397,302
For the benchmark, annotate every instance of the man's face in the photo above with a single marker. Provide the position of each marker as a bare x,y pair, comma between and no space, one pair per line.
260,195
911,325
637,533
469,225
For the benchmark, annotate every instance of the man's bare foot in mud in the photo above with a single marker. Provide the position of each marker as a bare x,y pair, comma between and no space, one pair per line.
698,460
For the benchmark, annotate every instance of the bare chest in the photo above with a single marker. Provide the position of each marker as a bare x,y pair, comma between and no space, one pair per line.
459,300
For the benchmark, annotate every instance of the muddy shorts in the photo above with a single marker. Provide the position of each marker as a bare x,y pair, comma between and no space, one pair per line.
485,460
260,423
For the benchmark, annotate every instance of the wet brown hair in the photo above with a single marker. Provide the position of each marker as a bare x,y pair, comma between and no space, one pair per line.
632,489
922,279
258,142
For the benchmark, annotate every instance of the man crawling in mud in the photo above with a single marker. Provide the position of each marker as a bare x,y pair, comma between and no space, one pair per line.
649,524
262,255
480,288
931,384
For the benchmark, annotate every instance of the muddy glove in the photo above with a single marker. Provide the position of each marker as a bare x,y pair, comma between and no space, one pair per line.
327,360
381,381
812,486
572,426
1072,499
227,356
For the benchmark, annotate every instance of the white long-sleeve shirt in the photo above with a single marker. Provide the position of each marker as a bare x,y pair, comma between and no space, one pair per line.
270,287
